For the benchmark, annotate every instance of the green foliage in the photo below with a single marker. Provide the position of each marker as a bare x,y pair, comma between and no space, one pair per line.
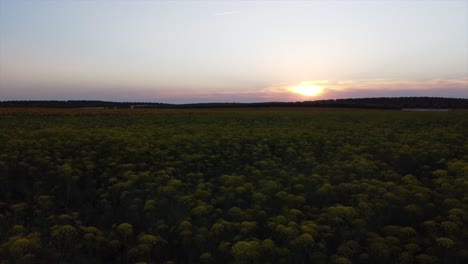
234,186
63,233
244,251
125,230
445,242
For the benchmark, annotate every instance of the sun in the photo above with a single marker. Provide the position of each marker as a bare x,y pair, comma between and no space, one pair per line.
307,89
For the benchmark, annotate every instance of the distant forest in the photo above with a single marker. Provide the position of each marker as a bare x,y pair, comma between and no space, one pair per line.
396,103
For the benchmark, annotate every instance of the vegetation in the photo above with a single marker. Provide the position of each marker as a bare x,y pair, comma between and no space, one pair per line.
395,103
233,186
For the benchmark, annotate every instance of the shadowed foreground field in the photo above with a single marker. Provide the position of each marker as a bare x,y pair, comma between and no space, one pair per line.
233,185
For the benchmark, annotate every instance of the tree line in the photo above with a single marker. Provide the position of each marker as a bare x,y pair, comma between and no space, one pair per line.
395,103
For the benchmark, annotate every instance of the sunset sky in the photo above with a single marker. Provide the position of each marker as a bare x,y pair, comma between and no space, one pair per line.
232,51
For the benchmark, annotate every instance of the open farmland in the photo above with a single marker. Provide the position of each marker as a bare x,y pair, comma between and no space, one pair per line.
266,185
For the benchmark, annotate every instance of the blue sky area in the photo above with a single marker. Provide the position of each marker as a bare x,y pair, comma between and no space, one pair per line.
236,51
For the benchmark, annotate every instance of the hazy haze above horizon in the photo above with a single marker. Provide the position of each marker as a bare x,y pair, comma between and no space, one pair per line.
236,51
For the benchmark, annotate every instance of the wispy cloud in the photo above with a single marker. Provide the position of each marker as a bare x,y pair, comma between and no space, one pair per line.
224,13
332,89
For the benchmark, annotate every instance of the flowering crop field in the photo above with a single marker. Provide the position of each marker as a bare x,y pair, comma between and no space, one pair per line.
263,185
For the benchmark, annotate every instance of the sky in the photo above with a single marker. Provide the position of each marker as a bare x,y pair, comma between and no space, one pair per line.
232,51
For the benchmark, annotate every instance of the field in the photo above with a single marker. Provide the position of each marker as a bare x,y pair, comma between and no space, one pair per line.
267,185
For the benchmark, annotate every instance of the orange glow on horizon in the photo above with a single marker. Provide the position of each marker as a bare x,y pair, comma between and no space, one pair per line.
307,89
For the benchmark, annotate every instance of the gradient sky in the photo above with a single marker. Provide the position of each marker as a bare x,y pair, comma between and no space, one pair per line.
236,51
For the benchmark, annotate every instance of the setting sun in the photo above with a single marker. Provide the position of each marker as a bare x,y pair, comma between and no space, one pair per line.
307,89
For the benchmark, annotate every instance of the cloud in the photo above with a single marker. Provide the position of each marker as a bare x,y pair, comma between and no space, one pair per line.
388,87
224,13
390,84
333,89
